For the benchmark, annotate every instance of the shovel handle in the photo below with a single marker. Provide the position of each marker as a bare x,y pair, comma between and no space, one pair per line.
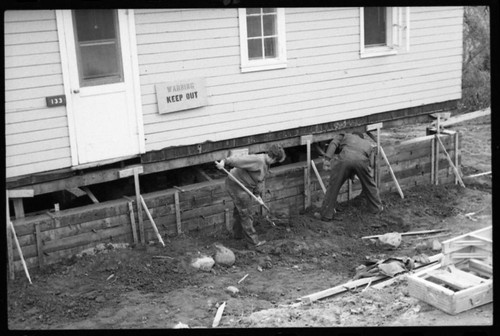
246,189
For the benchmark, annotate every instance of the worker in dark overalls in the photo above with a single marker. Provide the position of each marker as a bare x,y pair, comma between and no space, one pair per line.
251,171
349,155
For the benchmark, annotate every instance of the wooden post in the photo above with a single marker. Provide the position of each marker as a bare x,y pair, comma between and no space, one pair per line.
436,168
349,189
18,207
135,171
19,250
39,245
307,140
139,206
10,255
227,220
177,213
377,161
456,155
152,221
433,149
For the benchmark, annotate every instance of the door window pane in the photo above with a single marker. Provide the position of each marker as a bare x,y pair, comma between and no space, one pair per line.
98,47
375,26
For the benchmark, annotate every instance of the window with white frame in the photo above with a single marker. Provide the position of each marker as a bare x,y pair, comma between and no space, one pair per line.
262,38
382,30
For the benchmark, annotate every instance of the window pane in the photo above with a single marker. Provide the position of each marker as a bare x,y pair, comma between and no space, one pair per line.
255,49
94,24
269,10
99,61
269,25
253,26
270,47
253,11
98,47
375,25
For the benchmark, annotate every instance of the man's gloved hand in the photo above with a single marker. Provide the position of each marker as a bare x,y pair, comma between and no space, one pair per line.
326,164
220,164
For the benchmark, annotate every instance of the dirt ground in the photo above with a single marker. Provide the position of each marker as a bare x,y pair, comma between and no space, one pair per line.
130,288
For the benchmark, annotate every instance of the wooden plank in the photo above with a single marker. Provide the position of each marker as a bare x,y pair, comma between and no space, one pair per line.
90,194
408,233
477,265
20,193
373,127
473,297
339,289
20,251
466,116
77,192
454,279
131,171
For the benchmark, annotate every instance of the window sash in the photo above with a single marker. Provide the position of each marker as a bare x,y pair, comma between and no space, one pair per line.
262,38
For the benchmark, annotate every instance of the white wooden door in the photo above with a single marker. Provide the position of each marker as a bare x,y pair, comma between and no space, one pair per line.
103,101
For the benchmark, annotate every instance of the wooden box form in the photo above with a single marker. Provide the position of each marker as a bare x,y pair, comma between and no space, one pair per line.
464,278
454,288
477,245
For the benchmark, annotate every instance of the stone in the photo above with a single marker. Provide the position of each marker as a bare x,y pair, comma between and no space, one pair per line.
436,245
393,239
224,256
181,325
232,290
203,263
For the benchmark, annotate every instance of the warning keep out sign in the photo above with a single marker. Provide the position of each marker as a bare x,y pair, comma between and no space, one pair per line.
181,95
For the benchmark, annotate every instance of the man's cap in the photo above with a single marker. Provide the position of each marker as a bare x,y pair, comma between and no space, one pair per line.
277,152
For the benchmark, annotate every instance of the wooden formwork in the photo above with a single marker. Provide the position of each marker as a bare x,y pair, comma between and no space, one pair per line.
463,280
203,206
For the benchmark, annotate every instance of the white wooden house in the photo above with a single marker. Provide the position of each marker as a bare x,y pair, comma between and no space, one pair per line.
174,87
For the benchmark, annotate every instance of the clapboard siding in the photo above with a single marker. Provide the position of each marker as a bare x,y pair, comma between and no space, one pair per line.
325,79
36,137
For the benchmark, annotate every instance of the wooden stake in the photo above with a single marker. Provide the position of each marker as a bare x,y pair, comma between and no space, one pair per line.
10,255
132,222
177,213
318,176
39,245
457,174
241,280
152,221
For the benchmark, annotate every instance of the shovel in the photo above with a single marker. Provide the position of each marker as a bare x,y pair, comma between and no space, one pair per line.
258,199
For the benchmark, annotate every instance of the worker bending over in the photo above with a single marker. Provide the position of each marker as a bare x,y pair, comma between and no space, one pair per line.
251,171
348,155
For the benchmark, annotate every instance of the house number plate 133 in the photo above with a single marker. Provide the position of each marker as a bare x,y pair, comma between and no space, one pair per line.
56,100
